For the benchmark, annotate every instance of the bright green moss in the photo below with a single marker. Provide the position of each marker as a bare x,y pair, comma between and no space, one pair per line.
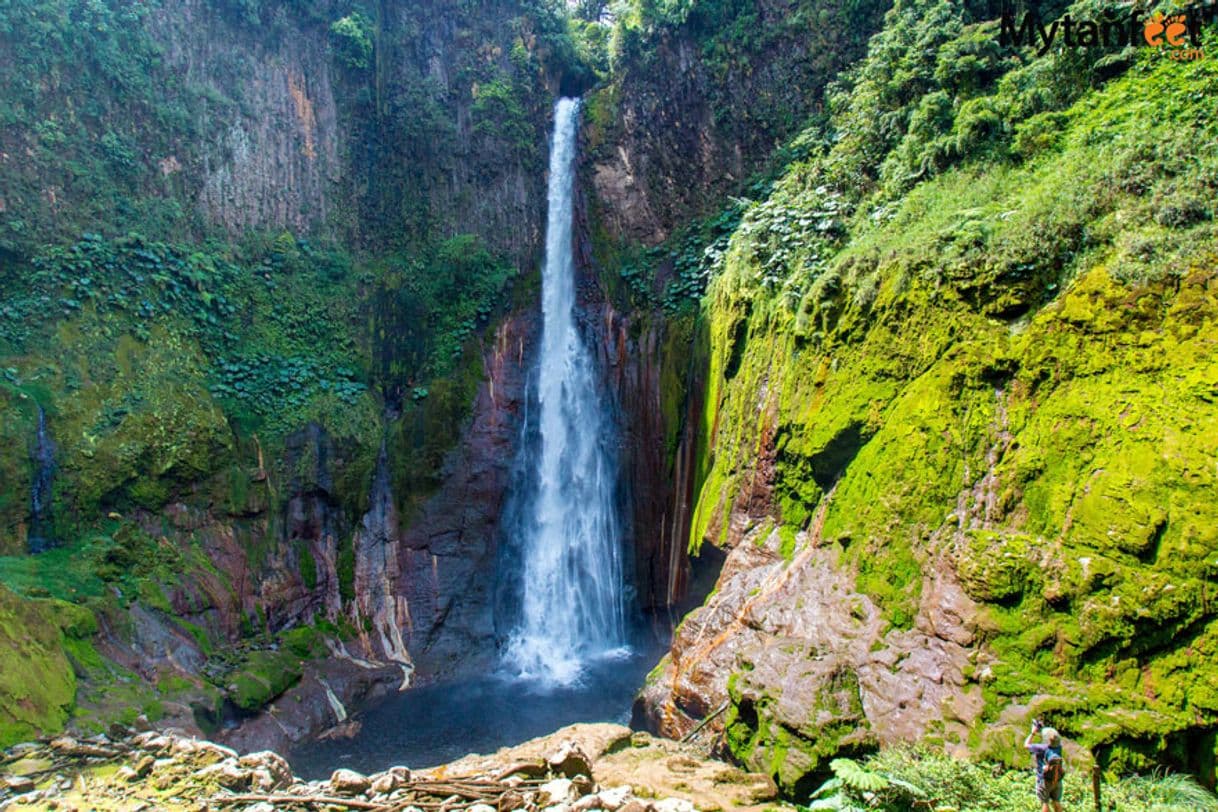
308,566
303,642
1010,368
37,683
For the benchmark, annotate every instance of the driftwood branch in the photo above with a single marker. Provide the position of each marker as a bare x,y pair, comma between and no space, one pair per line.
452,795
302,800
690,735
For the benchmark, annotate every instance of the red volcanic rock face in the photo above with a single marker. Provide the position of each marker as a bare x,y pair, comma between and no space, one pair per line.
446,556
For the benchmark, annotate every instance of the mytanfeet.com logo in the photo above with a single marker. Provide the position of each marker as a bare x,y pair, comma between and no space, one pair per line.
1177,35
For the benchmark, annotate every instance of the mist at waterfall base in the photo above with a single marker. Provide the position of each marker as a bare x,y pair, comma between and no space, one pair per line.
567,653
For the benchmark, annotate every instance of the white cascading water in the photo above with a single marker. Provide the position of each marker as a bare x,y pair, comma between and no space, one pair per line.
572,604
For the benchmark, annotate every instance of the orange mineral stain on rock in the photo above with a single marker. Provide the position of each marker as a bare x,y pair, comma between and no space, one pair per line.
304,113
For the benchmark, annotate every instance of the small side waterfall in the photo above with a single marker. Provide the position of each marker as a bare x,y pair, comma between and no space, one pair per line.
565,528
42,455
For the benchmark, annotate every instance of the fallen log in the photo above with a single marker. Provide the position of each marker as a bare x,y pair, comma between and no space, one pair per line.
303,800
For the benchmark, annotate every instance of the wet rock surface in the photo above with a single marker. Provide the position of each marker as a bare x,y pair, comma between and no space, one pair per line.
812,654
582,767
328,691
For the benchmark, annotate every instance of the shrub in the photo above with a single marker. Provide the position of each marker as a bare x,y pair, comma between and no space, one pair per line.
902,779
352,38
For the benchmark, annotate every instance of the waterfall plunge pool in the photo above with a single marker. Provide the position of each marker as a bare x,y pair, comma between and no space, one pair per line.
438,723
565,560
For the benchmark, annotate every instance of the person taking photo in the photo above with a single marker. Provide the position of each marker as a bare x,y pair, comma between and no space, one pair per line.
1050,766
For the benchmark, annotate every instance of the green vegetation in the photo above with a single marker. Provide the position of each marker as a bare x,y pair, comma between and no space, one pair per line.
353,40
211,335
907,779
963,321
88,104
262,676
992,347
733,39
36,679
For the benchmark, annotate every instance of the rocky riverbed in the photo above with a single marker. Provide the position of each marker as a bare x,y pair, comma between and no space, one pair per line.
581,767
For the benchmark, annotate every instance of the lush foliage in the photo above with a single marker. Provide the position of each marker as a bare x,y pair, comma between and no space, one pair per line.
680,267
279,330
240,250
88,105
353,40
734,39
900,342
431,304
903,779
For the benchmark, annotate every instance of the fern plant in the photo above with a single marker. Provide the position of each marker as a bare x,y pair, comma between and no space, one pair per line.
854,787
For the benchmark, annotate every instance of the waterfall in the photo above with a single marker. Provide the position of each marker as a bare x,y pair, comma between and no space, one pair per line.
565,530
43,457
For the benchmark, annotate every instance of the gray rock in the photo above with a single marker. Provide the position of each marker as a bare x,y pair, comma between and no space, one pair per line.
635,805
613,799
273,763
511,801
228,775
143,765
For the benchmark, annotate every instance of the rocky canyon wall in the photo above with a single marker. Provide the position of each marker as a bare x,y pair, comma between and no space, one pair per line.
201,118
701,102
958,486
224,551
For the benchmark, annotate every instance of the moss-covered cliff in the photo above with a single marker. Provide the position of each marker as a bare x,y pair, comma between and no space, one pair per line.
959,424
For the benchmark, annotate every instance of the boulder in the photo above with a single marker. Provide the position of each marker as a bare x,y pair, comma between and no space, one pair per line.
184,747
228,775
386,783
569,760
349,782
19,784
144,765
273,763
613,799
558,791
511,801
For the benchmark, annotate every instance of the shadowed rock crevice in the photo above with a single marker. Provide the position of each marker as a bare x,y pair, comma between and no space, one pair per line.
831,462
